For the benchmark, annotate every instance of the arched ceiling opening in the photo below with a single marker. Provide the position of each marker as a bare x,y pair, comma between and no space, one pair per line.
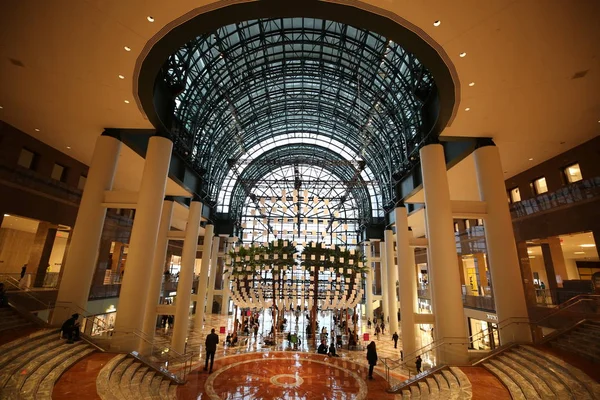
254,96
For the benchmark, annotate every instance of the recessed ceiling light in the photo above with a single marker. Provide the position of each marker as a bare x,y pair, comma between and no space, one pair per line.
587,245
126,101
3,107
127,48
531,159
121,77
36,129
69,147
468,109
472,84
579,252
463,54
437,23
150,18
7,215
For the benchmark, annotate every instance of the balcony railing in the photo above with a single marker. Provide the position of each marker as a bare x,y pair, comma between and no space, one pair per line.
479,302
31,179
574,193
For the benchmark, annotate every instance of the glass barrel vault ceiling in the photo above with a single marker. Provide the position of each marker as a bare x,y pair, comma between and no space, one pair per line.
334,99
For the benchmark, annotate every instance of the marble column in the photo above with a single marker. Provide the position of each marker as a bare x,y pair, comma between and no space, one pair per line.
203,280
158,267
444,274
369,281
392,278
40,252
186,278
384,278
214,268
503,260
80,263
407,277
226,281
136,279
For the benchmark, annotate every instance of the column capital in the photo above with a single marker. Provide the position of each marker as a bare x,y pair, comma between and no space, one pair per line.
483,142
113,133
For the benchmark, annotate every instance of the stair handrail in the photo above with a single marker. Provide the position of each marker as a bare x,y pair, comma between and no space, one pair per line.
17,285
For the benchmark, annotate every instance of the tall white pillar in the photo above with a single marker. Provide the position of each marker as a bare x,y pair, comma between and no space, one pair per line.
186,278
392,278
203,280
226,282
134,289
80,262
214,256
444,274
509,295
407,276
157,272
384,288
369,283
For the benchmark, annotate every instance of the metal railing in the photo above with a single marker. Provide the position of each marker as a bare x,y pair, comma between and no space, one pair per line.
95,331
583,306
479,302
585,190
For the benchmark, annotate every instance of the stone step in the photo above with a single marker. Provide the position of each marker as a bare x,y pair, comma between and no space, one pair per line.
131,379
46,387
145,384
434,391
541,388
117,376
513,388
102,380
442,386
136,381
558,388
466,389
526,387
18,362
30,369
164,389
17,323
579,380
591,355
12,350
172,392
32,384
423,390
155,387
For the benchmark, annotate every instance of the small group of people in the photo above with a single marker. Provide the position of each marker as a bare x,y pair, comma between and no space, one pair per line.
231,339
325,350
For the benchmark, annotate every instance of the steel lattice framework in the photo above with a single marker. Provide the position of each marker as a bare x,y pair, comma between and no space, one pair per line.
261,94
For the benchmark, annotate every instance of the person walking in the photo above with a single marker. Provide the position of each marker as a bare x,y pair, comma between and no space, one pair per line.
418,362
377,330
211,347
369,323
395,339
371,358
382,328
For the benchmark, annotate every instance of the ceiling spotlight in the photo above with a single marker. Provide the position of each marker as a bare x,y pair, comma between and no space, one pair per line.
150,18
127,48
7,215
69,147
3,107
36,129
463,54
472,84
587,245
121,77
437,23
579,252
126,101
468,109
531,159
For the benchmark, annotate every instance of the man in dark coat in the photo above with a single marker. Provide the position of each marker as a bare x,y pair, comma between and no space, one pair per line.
70,328
212,339
371,358
395,339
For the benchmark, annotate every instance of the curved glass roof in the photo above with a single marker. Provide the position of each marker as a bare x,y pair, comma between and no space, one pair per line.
304,90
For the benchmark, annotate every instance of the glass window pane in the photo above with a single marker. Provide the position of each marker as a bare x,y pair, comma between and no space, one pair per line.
540,185
515,195
26,158
57,172
573,173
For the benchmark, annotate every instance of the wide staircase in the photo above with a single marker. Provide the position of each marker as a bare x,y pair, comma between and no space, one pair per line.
11,320
445,383
30,365
583,340
124,377
529,373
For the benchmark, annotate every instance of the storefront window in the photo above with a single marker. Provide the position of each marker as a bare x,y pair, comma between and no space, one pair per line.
573,173
484,334
540,185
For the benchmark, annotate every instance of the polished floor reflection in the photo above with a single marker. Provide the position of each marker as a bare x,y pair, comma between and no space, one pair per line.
284,375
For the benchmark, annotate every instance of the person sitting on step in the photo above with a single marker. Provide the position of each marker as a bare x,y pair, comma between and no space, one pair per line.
70,328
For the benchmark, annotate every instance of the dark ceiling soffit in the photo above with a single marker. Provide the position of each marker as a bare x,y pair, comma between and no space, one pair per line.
456,149
212,20
179,171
